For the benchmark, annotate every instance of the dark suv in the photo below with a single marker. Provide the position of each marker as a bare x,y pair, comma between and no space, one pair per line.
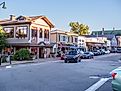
72,56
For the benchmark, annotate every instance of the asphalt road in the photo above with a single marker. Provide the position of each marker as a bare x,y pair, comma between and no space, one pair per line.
59,76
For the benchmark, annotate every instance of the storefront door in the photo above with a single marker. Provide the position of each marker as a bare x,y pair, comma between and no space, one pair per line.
41,53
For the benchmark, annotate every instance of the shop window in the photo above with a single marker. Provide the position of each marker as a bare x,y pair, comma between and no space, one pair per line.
21,32
9,32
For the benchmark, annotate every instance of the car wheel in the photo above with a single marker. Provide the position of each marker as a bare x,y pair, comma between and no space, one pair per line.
79,59
76,60
65,61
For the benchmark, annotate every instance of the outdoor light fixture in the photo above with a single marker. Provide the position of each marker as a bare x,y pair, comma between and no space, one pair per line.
3,5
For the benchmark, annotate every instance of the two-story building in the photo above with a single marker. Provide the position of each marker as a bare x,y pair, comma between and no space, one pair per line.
63,40
95,42
32,32
112,35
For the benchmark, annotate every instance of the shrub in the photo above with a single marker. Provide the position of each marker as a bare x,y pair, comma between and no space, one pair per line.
22,54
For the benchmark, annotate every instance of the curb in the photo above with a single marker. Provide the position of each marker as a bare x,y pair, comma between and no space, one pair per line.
29,62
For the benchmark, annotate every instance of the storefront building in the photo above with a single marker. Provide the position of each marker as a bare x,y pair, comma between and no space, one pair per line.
63,40
31,32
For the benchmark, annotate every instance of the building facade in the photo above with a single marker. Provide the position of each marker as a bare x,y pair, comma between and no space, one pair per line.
31,32
63,40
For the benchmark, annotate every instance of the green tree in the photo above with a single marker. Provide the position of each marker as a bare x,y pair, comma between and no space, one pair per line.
3,41
80,29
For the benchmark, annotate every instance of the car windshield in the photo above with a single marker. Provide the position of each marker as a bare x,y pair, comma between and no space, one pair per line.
72,53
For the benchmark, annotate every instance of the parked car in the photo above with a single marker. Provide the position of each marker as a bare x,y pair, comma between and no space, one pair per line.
102,51
113,50
91,53
87,55
95,52
107,51
118,50
72,56
116,79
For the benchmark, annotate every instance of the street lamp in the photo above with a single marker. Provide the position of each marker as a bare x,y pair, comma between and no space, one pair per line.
3,5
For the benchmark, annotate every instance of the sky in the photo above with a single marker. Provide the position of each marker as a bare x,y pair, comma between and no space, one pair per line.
97,14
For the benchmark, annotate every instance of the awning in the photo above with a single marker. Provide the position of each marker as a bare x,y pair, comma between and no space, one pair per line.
30,45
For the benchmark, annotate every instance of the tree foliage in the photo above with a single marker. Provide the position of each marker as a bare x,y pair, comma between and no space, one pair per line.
3,41
22,54
80,29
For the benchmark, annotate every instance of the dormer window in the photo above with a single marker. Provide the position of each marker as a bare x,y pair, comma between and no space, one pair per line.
21,18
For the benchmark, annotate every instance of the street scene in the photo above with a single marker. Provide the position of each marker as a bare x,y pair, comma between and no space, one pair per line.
60,45
60,76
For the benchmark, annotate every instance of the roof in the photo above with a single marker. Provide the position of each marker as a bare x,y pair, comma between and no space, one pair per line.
27,19
106,32
64,32
58,31
110,36
71,33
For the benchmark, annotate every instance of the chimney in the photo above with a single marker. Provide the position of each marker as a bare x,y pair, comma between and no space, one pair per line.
102,31
12,17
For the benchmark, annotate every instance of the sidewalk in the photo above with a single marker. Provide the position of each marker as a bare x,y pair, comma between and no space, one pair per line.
29,61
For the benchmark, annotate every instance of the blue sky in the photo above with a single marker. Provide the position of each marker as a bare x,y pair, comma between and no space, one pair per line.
95,13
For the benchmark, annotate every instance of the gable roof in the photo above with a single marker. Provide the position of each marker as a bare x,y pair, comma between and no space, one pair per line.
106,32
27,19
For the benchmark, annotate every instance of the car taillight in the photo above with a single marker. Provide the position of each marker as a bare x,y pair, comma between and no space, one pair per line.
113,75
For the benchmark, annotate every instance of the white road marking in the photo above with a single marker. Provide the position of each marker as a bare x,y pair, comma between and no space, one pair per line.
94,77
8,67
98,84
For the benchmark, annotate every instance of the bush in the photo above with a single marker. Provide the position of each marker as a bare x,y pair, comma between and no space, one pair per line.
22,54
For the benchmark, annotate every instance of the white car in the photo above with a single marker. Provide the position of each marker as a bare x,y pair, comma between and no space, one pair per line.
107,51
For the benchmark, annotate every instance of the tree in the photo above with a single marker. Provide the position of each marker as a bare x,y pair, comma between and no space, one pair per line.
80,29
3,41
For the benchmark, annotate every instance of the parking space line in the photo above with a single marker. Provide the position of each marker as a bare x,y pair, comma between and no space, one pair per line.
98,84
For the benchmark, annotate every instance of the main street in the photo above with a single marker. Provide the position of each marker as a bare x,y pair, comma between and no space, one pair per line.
59,76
